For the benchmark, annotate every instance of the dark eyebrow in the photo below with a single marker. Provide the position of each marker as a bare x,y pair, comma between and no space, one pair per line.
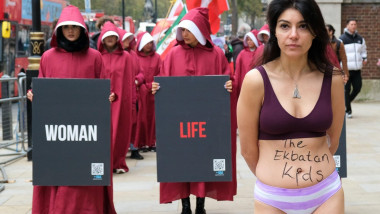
300,22
281,20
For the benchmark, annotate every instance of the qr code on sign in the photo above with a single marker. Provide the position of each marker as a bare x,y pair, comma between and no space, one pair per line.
337,160
97,169
219,164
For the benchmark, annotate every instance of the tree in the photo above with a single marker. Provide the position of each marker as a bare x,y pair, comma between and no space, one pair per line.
234,18
250,9
133,8
162,8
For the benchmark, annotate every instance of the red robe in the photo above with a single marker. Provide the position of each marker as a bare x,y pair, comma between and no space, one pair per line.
183,60
331,55
243,65
118,67
246,59
57,63
139,77
149,66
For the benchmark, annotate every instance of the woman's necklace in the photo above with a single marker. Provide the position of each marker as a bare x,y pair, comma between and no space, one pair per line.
296,92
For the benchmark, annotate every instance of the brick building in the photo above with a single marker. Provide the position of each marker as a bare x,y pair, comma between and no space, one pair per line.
368,16
336,12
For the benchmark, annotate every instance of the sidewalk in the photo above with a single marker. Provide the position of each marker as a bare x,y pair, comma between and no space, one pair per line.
137,192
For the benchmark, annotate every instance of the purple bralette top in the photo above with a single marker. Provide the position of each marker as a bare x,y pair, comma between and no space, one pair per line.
277,124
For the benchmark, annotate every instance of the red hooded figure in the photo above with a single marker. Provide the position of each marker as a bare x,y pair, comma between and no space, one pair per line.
139,77
264,31
69,58
246,57
193,59
118,66
149,66
128,35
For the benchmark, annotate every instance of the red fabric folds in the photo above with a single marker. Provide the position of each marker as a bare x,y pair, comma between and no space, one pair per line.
58,63
118,67
140,78
149,66
183,60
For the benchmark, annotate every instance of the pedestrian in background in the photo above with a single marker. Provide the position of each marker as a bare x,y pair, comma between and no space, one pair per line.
192,57
246,56
237,45
293,105
71,57
129,44
118,67
263,34
339,57
53,24
149,65
356,52
263,37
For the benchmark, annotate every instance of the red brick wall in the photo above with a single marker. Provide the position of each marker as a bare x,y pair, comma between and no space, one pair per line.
368,16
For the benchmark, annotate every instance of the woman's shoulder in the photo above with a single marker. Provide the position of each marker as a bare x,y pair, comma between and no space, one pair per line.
268,67
254,78
252,86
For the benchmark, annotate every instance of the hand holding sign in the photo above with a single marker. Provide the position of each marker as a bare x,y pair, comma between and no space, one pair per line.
156,86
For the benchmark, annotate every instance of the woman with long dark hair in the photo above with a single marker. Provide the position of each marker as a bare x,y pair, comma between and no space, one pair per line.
290,115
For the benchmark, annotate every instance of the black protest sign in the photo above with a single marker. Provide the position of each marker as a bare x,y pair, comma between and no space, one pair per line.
193,129
340,155
71,132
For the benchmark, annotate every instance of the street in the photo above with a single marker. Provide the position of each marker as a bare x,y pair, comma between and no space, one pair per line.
137,192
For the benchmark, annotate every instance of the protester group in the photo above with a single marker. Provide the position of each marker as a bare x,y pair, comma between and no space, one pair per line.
131,63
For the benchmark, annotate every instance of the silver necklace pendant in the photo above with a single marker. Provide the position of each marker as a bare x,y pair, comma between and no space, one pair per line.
296,93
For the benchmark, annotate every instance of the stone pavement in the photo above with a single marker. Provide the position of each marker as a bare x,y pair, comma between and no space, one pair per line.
137,192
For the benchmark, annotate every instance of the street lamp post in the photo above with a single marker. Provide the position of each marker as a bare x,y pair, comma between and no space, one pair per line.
122,13
37,42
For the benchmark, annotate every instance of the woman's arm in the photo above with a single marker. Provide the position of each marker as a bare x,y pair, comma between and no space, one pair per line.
338,110
343,58
248,111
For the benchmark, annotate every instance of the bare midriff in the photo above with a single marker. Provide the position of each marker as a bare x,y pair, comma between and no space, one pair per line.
294,163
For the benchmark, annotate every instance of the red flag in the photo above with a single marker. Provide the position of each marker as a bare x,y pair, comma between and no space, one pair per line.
176,10
1,10
160,28
216,7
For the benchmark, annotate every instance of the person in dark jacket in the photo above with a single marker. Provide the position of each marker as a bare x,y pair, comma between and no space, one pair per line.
99,25
228,51
356,52
237,45
53,24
